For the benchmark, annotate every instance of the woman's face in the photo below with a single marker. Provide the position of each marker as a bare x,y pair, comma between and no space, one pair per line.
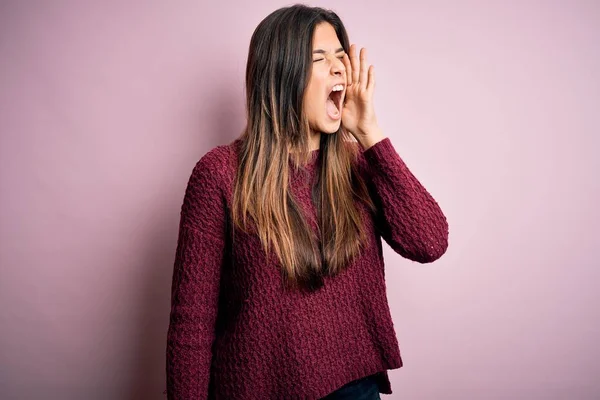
325,115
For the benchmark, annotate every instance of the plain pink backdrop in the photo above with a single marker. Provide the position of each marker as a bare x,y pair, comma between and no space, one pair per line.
106,107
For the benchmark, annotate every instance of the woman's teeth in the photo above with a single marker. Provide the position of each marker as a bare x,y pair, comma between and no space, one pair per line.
337,88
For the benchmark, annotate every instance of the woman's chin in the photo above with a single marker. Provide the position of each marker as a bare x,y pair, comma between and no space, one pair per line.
332,125
329,130
327,125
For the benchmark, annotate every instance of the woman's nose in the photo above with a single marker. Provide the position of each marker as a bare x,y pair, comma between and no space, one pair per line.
338,67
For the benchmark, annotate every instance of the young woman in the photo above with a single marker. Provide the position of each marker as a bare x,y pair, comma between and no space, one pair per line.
278,286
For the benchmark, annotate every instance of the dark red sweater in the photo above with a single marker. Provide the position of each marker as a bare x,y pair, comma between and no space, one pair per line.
234,333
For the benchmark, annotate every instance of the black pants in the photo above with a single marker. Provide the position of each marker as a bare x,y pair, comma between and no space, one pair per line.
361,389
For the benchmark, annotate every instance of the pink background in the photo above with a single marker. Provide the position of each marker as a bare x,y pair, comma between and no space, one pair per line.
106,107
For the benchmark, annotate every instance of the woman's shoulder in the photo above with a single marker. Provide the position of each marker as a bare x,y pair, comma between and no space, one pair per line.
214,165
218,155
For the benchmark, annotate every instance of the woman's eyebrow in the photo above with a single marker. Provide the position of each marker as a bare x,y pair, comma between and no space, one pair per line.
323,51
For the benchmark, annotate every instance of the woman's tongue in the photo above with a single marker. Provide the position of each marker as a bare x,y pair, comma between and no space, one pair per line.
332,110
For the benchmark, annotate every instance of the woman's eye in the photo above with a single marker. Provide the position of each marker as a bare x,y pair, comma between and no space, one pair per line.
321,59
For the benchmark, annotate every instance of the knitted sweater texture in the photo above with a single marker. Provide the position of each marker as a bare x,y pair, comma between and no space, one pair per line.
235,333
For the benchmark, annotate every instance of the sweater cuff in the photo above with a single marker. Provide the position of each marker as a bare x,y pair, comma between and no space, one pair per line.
383,155
384,145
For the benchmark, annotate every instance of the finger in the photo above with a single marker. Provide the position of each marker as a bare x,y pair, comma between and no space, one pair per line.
346,61
355,64
371,83
363,68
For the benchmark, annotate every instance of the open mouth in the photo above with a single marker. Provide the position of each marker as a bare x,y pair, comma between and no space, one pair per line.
334,103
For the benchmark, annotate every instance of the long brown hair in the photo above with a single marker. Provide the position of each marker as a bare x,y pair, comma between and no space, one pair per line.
277,72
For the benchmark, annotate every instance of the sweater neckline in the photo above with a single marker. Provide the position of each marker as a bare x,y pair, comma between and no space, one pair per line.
311,165
314,154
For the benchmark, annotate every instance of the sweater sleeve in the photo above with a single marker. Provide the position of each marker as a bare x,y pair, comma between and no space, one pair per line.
408,218
195,284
